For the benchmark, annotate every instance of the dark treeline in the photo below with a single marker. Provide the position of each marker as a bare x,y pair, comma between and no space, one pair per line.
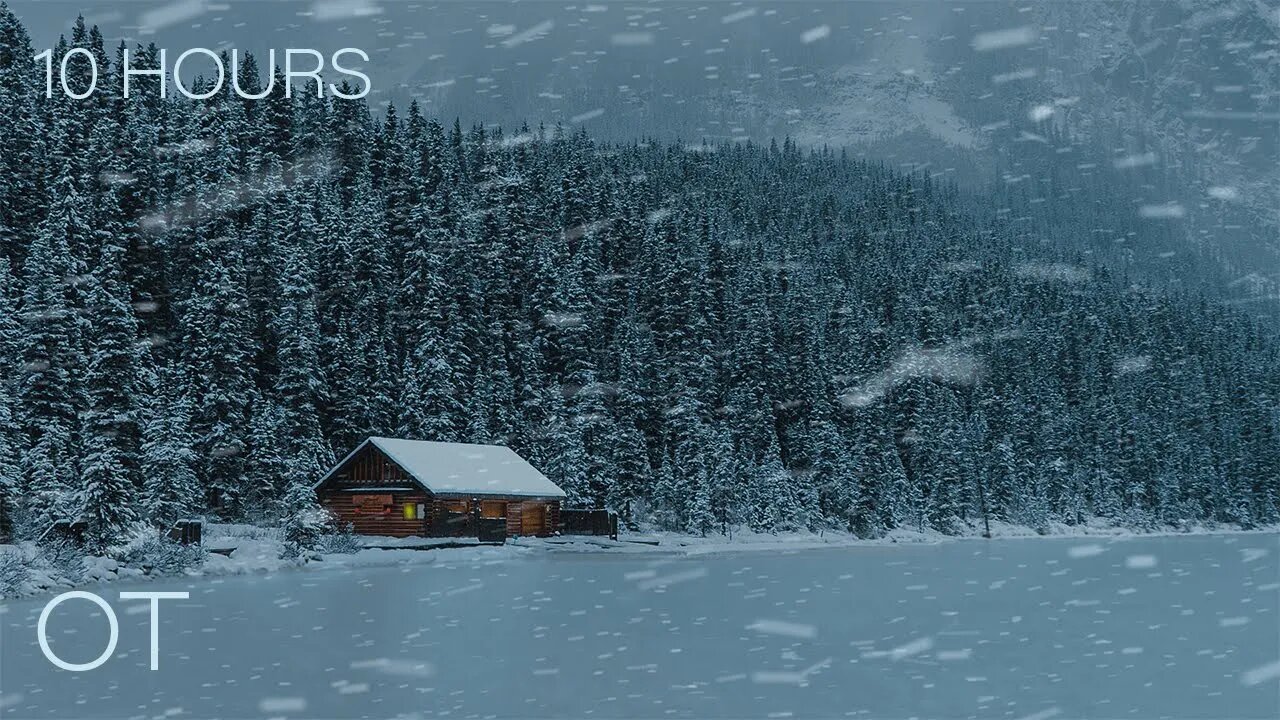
201,303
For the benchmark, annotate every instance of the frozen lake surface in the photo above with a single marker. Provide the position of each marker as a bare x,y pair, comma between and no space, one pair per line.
1178,627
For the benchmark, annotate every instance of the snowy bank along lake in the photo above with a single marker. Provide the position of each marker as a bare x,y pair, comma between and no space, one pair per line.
1178,627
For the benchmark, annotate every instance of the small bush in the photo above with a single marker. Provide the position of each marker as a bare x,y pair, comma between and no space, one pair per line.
241,530
64,558
341,542
15,569
158,555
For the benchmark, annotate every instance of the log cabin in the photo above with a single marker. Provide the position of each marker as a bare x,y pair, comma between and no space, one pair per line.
408,488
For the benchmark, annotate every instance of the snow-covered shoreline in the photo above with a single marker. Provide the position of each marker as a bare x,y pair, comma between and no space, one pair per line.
246,550
257,552
669,542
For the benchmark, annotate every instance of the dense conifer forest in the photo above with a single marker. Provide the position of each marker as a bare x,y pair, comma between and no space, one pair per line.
203,303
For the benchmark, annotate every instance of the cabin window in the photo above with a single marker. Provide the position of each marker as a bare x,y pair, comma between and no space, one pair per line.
493,509
410,511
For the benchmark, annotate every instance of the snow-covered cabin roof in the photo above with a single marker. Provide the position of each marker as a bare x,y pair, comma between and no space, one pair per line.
461,468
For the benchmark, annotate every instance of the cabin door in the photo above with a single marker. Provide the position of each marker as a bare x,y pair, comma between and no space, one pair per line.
533,519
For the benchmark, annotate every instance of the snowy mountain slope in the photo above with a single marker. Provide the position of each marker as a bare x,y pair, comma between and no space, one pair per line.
1182,91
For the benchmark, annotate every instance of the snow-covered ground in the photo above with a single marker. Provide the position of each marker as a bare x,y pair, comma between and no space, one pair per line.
237,549
743,540
1144,627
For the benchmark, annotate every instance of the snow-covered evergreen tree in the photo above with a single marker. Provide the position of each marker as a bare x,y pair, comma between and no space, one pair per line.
170,488
267,464
106,497
10,437
299,389
305,522
428,402
217,345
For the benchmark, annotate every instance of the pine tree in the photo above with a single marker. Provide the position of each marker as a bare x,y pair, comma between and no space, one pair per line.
112,376
171,488
23,136
366,391
702,518
723,482
46,494
217,344
10,472
305,522
48,390
10,437
268,460
429,407
671,496
109,428
106,496
770,503
300,387
566,462
50,393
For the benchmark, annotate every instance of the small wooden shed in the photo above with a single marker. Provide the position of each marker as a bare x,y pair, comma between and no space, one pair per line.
407,488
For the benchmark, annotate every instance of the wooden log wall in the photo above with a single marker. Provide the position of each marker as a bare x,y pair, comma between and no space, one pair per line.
521,517
370,514
452,517
513,519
